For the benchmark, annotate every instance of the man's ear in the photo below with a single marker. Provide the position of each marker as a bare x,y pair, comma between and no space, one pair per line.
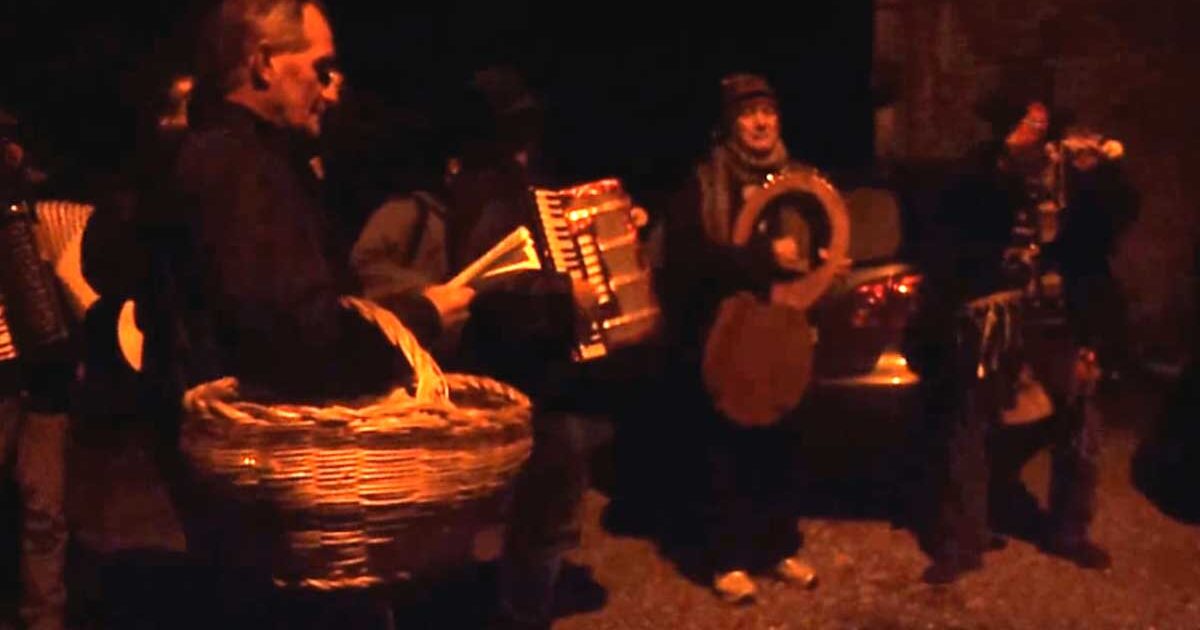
262,71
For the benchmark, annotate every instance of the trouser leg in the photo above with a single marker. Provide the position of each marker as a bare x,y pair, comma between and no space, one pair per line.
546,517
40,472
1074,471
751,520
961,528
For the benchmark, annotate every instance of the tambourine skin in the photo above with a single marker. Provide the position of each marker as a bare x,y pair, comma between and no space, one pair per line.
757,360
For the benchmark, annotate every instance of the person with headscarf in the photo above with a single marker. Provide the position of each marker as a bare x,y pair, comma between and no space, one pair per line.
701,268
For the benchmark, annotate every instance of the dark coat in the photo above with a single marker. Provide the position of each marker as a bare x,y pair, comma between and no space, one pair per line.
523,325
700,267
244,271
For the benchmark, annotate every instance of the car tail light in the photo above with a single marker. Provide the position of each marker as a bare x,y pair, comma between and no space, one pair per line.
886,302
907,285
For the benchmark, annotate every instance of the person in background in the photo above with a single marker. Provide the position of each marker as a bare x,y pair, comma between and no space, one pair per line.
34,401
519,328
1031,201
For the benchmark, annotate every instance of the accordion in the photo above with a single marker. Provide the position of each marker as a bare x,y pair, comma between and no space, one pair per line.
589,231
8,350
59,233
39,258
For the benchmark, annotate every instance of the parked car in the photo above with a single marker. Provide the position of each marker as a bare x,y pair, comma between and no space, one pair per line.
862,404
861,319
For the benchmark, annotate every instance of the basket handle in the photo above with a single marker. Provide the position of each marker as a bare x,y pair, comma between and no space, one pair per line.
431,382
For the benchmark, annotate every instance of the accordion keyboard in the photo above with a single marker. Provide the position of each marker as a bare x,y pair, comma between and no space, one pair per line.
559,244
589,233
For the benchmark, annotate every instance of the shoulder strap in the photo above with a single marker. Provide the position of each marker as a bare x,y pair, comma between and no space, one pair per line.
418,231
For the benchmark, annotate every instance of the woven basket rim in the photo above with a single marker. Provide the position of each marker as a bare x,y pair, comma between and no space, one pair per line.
342,480
223,398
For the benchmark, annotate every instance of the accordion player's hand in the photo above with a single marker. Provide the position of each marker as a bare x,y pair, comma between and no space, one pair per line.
452,302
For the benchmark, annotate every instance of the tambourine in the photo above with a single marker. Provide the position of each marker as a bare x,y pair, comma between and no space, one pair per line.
758,356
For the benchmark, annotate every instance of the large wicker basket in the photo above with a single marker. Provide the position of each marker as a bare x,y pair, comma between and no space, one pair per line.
350,495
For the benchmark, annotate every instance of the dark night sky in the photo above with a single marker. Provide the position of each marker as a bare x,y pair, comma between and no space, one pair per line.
628,93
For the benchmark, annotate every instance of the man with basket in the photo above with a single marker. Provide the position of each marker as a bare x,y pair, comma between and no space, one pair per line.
246,273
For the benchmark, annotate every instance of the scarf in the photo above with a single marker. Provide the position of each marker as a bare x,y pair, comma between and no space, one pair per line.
729,169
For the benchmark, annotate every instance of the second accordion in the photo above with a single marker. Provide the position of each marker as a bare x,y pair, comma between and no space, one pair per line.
36,318
590,231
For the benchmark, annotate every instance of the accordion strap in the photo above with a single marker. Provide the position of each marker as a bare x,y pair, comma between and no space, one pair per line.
418,232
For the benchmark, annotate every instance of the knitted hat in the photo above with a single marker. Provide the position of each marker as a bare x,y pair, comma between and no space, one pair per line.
505,91
737,89
499,110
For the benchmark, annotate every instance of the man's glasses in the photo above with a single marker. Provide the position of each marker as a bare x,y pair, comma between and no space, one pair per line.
327,71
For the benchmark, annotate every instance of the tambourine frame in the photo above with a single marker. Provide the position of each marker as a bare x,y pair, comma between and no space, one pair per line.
792,181
807,181
751,343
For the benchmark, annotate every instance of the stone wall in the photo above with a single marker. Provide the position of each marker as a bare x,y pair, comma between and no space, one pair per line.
1124,67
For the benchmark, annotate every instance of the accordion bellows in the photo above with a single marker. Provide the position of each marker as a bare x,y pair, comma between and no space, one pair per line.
8,351
34,240
59,233
590,232
359,493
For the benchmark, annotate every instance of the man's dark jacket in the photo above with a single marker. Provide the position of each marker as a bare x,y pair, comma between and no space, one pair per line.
243,270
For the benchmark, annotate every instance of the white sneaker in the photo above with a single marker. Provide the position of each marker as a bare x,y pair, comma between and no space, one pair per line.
796,571
735,587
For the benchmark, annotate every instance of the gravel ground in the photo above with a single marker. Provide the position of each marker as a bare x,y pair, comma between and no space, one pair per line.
869,571
869,577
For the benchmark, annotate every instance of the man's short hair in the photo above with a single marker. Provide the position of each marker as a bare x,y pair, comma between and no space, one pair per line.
239,28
